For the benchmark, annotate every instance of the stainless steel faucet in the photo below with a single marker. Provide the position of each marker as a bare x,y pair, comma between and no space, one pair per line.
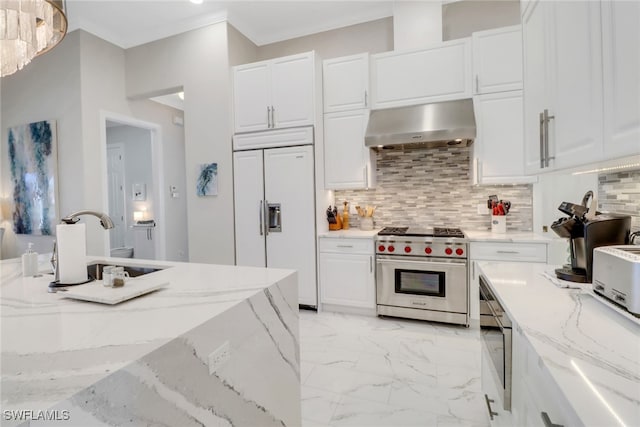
105,221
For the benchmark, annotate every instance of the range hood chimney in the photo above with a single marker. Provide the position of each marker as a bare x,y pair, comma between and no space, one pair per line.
443,124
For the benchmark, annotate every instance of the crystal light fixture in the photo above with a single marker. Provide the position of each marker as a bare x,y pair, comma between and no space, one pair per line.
28,28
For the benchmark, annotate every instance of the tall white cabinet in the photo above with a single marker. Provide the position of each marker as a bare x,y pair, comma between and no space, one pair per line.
348,164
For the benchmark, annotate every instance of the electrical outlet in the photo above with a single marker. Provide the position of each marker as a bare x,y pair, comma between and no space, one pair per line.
219,357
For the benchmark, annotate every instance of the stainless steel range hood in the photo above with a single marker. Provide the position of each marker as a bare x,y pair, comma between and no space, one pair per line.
442,124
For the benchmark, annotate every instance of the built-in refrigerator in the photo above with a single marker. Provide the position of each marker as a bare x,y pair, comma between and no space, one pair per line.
274,202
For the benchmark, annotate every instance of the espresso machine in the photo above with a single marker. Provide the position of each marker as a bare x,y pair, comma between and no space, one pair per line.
586,230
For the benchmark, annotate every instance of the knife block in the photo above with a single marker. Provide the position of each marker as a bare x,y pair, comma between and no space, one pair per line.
498,223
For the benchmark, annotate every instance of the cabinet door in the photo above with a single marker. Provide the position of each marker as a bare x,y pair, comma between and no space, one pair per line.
499,145
292,80
251,96
621,54
144,246
347,279
248,187
345,83
346,159
536,71
575,135
497,60
437,73
289,182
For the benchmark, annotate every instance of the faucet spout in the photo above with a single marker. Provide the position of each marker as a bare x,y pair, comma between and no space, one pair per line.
105,221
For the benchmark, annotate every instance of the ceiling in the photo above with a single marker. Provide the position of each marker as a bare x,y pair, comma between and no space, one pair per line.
135,22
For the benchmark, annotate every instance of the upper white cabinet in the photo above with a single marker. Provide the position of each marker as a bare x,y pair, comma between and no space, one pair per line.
274,94
438,73
621,68
573,114
346,83
497,60
498,150
348,164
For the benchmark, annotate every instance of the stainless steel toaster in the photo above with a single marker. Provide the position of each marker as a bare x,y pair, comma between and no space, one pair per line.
616,275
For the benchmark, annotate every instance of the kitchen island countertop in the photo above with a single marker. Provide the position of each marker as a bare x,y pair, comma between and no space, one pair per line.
149,360
510,236
590,350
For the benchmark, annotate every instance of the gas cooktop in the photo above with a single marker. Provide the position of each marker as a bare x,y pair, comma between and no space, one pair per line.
426,232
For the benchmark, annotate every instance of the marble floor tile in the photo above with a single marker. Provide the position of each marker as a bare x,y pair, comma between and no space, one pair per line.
371,371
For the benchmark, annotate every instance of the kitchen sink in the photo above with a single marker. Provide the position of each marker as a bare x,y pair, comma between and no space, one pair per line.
95,269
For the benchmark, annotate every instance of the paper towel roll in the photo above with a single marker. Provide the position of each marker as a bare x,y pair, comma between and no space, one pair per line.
72,252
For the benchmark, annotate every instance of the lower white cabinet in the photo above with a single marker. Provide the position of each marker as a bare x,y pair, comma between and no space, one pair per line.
144,246
347,273
498,416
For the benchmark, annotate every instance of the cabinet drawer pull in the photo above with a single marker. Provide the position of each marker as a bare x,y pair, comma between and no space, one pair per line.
507,252
489,402
547,421
365,99
370,264
344,246
541,131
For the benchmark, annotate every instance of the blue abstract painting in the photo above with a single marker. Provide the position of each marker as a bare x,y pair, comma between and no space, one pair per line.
32,159
207,184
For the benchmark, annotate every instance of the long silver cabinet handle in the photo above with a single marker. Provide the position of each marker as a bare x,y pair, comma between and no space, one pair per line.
477,85
366,101
268,117
547,421
371,264
260,214
541,131
489,402
547,118
507,252
344,246
266,218
273,117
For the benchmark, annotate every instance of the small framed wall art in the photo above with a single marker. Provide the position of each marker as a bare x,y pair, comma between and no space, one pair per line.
139,192
207,183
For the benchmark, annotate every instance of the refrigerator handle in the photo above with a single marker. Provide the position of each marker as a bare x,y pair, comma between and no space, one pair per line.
260,215
266,217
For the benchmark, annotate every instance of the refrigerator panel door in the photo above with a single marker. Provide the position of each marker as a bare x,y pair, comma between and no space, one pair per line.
248,186
289,182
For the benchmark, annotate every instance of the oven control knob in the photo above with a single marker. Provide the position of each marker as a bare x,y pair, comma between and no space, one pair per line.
381,248
427,251
407,249
448,251
391,248
459,251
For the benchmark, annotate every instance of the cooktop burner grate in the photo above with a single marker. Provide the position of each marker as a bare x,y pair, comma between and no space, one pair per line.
393,231
447,232
428,232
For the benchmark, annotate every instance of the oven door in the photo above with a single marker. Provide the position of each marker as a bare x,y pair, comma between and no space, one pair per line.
422,283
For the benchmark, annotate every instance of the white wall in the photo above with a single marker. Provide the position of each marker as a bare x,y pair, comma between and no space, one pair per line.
198,62
461,18
416,24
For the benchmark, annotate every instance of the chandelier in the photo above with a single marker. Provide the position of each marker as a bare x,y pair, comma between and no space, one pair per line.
28,28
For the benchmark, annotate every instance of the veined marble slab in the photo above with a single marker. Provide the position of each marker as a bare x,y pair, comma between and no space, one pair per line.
591,352
151,360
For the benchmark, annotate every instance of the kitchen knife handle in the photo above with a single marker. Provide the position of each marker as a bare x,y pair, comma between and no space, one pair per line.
260,214
541,131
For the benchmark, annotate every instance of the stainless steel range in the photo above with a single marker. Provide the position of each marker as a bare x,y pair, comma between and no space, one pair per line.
423,274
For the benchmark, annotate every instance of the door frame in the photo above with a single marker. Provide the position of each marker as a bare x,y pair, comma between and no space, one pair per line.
157,166
119,146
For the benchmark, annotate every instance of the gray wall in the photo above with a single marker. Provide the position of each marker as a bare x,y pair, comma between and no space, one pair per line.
460,19
198,62
373,37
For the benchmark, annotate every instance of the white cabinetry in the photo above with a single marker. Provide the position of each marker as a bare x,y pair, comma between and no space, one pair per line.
498,150
273,94
498,416
562,77
346,83
348,164
144,245
497,60
441,72
621,69
347,274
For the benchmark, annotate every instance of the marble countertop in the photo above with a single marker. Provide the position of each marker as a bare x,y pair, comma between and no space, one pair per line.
591,351
352,233
53,347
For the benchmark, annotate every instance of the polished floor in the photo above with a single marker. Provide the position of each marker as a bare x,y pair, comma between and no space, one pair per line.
368,371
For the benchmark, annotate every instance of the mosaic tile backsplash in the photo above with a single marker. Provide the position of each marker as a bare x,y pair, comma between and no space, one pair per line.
431,187
620,193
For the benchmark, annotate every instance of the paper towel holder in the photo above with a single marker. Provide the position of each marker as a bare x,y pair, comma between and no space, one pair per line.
71,219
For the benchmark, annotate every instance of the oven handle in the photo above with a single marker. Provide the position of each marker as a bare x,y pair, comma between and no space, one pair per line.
386,259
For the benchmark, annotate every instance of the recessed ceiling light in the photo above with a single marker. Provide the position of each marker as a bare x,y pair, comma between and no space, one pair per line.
196,1
181,95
